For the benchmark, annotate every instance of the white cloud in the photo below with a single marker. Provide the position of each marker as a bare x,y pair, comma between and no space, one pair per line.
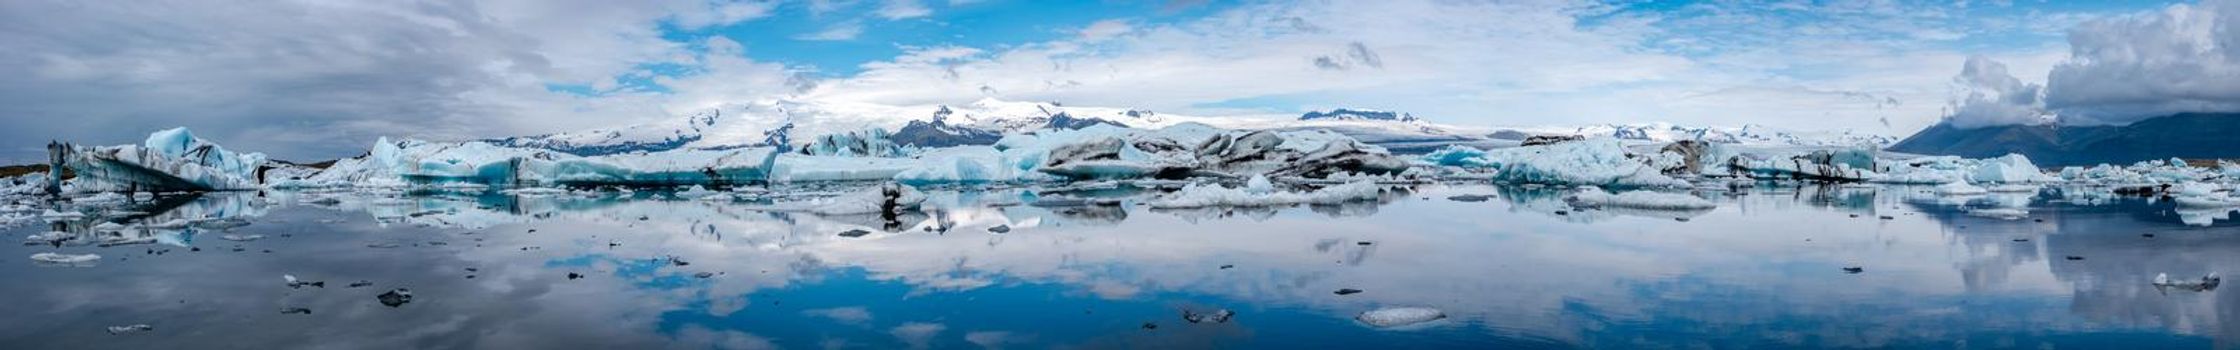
842,31
1988,95
903,9
854,315
1105,29
2184,58
918,334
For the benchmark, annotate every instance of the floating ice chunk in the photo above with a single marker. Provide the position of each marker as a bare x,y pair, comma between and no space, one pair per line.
2013,188
2206,283
1399,316
66,259
241,237
1198,196
1599,162
887,198
1259,185
169,158
1596,197
50,214
130,329
1960,189
2012,168
2002,213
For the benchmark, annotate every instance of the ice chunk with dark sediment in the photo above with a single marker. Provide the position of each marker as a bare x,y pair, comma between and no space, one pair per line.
2205,283
395,297
297,283
1399,316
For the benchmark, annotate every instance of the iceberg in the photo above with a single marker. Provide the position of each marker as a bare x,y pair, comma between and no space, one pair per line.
1595,162
169,160
2206,283
1199,196
2012,168
66,259
1399,316
1960,189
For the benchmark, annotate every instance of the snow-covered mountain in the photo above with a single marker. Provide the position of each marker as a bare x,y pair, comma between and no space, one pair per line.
1359,114
1748,134
797,122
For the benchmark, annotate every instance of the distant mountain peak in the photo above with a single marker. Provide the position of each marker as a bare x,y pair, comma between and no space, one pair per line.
1359,114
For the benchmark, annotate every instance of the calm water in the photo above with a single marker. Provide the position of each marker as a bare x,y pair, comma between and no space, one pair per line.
1765,269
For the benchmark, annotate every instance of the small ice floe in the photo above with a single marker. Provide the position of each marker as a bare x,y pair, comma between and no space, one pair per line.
131,329
2013,188
536,192
1960,189
1399,316
60,259
2206,283
1218,316
1201,196
108,227
297,283
241,238
2001,213
49,238
50,214
1592,197
395,297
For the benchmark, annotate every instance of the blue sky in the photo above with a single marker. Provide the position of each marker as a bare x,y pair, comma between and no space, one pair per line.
319,79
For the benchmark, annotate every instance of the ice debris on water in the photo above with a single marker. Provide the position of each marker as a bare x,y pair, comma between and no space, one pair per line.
2206,283
66,259
395,297
241,238
1199,196
1218,316
1399,316
297,283
130,329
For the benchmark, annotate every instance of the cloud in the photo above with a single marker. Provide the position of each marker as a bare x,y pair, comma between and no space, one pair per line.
317,80
918,334
842,31
1105,29
1988,95
856,315
2183,58
903,9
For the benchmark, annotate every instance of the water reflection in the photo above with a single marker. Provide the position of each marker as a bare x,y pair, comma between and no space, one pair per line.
1089,267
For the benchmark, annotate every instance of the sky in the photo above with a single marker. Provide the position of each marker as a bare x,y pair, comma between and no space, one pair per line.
321,79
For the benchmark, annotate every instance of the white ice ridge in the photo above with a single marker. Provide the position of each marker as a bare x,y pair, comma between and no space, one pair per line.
170,160
1399,316
1258,193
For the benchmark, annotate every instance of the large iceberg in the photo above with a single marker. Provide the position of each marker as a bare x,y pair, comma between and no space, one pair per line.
1596,162
170,160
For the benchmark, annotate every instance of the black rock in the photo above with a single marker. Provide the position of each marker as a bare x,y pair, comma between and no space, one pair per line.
1000,229
1226,267
572,275
1348,291
1854,269
360,284
1363,243
2073,257
2147,235
1887,217
854,233
1150,326
295,310
395,297
704,275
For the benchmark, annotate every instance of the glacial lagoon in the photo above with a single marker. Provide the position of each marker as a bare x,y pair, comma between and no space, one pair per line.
1773,266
